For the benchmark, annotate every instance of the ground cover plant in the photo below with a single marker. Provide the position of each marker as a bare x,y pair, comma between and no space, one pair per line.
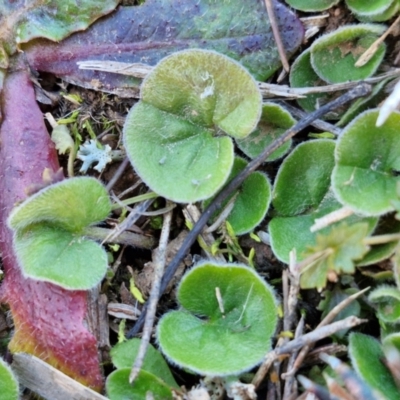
269,241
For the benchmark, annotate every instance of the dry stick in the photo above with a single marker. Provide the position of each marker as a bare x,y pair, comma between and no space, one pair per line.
160,259
356,92
289,382
118,174
368,54
304,340
318,123
294,289
277,35
331,315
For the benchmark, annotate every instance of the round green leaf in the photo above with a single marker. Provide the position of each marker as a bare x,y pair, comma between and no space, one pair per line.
367,158
72,204
387,299
312,5
211,340
366,8
124,354
333,55
383,16
302,194
303,178
301,75
251,202
174,136
119,388
8,384
49,253
275,120
366,357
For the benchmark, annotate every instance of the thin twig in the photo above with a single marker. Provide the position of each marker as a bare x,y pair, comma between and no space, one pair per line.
368,54
277,35
159,264
318,123
330,317
118,173
215,205
304,340
288,388
331,218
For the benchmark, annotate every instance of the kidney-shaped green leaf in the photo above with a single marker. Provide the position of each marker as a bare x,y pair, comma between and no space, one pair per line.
366,161
251,200
119,388
49,253
387,300
275,120
124,354
72,204
312,5
334,55
175,136
226,324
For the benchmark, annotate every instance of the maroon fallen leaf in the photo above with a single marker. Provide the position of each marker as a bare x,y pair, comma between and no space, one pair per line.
147,33
48,320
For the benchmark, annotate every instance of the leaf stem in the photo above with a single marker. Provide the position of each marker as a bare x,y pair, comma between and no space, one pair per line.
135,199
381,239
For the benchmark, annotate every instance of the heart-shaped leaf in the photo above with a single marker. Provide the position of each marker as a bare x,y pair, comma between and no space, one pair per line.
365,8
251,200
49,233
157,28
49,253
334,55
72,204
174,136
146,384
55,19
224,328
124,354
275,120
8,384
366,159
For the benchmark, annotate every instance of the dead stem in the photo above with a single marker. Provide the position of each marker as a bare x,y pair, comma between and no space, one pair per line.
159,265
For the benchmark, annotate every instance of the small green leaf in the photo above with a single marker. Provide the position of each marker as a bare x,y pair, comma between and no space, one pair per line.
8,384
49,253
251,202
333,56
124,354
72,204
387,300
342,245
312,5
219,337
119,388
303,178
62,139
390,12
275,120
302,194
366,357
367,158
174,136
369,8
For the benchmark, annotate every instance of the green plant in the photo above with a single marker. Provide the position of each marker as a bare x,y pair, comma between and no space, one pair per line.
191,104
8,383
154,377
223,329
50,229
